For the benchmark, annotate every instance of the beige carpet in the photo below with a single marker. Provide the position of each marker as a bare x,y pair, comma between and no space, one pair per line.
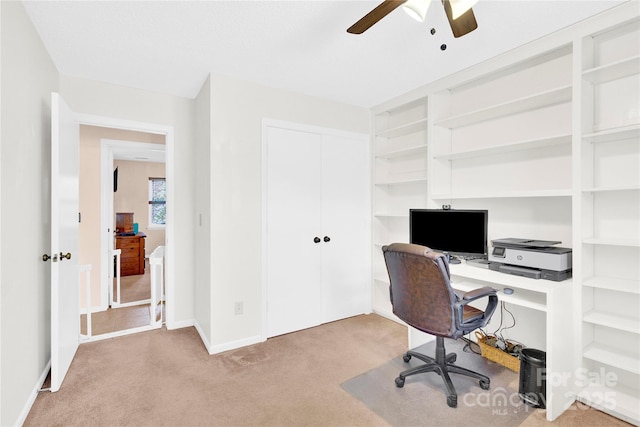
166,378
134,288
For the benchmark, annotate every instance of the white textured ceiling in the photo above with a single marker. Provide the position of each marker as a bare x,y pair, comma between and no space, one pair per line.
302,46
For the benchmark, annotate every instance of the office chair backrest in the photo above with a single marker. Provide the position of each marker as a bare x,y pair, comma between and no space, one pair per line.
420,292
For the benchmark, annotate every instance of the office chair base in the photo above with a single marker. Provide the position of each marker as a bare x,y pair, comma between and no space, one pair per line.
442,365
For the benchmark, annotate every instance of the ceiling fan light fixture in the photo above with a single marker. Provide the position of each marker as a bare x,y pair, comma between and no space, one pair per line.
459,7
417,9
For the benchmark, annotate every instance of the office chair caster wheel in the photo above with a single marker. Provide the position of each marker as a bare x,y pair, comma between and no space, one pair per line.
452,401
484,385
399,382
406,358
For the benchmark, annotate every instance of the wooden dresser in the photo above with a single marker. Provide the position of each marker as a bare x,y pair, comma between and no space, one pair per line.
132,255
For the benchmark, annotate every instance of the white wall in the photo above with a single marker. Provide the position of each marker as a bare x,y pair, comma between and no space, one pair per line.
28,78
237,110
203,212
101,99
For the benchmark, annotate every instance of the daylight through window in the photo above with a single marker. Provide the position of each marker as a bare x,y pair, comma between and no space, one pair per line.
157,202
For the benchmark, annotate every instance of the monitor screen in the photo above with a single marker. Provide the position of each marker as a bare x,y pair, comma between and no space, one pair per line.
458,232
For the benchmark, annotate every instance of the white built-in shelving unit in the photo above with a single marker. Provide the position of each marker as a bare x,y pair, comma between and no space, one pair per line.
400,182
505,146
494,137
546,138
608,207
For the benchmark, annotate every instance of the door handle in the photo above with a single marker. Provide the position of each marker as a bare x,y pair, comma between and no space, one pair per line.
327,239
46,257
316,239
67,256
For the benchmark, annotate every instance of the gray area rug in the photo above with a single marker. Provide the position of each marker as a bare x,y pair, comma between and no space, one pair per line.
423,401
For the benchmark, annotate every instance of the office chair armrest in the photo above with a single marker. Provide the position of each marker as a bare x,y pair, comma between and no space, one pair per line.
478,293
473,295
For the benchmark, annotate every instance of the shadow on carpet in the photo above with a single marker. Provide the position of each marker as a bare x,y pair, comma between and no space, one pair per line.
423,400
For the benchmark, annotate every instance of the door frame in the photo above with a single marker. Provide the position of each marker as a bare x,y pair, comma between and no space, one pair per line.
107,157
168,132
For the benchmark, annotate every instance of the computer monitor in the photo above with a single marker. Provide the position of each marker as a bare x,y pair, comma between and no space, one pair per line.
458,232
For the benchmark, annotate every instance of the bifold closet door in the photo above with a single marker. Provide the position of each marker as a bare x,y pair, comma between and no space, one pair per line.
294,209
346,208
318,246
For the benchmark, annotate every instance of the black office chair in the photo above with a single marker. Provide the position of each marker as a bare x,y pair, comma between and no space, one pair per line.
421,295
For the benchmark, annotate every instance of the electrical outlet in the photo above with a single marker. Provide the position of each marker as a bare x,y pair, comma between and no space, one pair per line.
238,308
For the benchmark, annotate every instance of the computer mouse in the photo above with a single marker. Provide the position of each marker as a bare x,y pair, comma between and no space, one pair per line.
507,291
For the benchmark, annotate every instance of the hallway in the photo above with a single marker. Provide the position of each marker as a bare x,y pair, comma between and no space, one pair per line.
132,288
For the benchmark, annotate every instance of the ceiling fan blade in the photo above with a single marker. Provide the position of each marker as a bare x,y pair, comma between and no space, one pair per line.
465,22
380,11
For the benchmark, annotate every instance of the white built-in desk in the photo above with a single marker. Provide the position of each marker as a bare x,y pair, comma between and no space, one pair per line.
554,303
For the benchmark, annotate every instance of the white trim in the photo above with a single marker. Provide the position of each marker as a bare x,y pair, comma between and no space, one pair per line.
106,206
107,158
203,336
132,145
132,303
26,409
180,324
110,122
115,334
263,230
168,132
266,122
33,395
232,345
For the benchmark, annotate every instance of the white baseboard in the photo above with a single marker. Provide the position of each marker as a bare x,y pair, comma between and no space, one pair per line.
180,324
32,397
109,335
203,337
232,345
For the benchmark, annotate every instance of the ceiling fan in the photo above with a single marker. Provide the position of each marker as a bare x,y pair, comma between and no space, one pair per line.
459,13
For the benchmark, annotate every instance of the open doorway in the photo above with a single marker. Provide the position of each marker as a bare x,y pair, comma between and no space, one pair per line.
137,156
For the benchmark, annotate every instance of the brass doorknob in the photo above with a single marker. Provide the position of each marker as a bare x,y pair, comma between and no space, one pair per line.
63,256
46,257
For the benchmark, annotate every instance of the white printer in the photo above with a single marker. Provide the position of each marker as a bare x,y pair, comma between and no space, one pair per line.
537,259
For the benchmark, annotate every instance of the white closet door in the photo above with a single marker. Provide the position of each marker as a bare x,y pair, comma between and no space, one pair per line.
293,221
346,257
